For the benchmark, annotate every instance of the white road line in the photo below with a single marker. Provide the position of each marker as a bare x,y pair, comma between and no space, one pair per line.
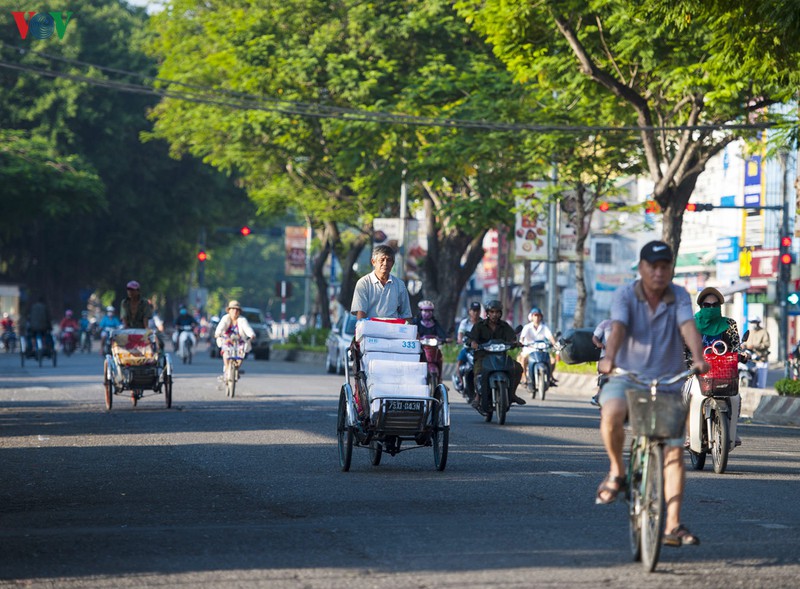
495,457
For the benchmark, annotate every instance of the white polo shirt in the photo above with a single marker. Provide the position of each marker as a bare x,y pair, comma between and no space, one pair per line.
381,300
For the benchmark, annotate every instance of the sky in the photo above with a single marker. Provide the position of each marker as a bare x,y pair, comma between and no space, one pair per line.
153,4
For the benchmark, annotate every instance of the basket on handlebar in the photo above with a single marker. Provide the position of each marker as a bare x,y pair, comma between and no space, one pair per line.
723,378
662,416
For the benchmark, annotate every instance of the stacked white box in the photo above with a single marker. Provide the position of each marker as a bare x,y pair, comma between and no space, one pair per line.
392,346
390,372
387,357
383,330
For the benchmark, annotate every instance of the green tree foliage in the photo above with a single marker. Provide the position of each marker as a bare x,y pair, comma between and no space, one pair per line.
658,72
132,211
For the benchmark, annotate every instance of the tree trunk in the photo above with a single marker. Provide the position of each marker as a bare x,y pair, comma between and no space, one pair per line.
348,258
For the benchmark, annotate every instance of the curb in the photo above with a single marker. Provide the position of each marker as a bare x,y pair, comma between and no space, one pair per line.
761,405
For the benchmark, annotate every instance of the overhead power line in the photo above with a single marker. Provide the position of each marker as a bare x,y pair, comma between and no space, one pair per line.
163,88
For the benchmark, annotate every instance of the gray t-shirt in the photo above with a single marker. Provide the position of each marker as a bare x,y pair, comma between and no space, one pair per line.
653,345
379,300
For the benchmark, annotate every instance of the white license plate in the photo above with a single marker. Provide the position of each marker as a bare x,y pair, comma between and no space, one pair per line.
404,405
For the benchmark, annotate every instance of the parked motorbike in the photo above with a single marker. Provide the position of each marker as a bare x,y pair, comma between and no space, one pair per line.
714,404
185,339
495,379
539,368
68,340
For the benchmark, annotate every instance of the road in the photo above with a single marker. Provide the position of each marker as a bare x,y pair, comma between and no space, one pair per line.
246,492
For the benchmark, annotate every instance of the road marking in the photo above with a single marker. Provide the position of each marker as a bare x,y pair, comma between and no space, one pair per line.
563,473
774,526
495,457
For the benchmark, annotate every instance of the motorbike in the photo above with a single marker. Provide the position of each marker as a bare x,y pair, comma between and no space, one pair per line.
747,369
9,340
86,341
714,404
793,364
464,379
68,340
539,368
185,340
495,380
433,356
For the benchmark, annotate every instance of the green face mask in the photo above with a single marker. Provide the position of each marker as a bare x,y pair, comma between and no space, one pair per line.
709,321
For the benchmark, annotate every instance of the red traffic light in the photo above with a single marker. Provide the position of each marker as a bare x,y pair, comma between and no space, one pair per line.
245,231
786,241
202,256
691,207
604,206
786,259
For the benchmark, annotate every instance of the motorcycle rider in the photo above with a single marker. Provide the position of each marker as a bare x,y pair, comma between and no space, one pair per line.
107,324
493,328
184,319
67,321
84,337
466,325
7,326
758,342
536,331
134,311
426,323
600,337
40,322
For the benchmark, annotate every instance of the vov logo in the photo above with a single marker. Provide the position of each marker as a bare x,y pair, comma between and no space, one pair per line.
41,25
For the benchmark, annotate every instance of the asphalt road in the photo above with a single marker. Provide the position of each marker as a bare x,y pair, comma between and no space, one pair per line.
246,492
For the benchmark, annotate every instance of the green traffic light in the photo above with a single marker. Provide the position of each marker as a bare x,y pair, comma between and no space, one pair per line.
793,298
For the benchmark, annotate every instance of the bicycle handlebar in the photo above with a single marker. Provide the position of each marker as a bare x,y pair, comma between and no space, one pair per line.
662,380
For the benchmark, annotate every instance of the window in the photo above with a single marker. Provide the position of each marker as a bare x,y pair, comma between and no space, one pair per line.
602,253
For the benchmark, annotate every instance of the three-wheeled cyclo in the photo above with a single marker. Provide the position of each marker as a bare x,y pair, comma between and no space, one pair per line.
386,400
137,364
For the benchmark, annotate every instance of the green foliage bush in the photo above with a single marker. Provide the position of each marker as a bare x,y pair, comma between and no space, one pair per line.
788,387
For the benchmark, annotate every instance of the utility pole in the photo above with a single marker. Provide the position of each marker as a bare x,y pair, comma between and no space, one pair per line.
401,247
782,289
307,298
552,258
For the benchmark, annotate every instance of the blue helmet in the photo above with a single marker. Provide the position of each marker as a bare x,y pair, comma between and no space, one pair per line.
536,311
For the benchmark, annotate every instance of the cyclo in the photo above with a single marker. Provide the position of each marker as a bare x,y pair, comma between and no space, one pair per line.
383,410
135,363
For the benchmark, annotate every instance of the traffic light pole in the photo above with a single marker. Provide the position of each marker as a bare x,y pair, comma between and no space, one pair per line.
783,285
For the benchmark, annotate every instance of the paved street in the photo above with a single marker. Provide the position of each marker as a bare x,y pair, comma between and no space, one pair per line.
246,492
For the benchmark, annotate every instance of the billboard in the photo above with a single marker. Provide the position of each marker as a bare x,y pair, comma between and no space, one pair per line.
295,264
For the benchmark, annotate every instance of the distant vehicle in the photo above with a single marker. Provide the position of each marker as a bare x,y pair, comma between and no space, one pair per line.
338,341
260,346
262,342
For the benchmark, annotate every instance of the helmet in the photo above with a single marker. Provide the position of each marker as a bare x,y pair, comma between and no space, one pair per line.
183,311
109,309
535,311
133,285
425,305
755,320
68,313
494,305
84,313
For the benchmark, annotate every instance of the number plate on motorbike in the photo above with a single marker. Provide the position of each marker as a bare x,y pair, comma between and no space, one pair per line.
403,405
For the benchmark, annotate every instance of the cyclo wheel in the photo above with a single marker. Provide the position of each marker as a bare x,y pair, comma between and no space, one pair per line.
652,525
344,434
502,402
720,441
375,453
109,387
168,391
440,438
634,497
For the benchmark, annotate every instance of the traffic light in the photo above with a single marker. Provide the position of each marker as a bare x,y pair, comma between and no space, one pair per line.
693,207
793,298
785,258
202,256
245,231
606,206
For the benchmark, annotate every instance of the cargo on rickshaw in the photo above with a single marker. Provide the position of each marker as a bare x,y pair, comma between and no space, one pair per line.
387,400
136,364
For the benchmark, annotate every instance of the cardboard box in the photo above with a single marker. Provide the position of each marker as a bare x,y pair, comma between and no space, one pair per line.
379,329
394,346
408,373
397,390
389,357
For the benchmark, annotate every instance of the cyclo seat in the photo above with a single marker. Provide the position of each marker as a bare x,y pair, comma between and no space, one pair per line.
134,347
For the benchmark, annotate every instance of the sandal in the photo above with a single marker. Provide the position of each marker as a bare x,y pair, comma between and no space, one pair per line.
681,536
621,483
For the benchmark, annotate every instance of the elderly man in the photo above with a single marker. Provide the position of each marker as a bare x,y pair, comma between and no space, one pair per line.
379,294
652,320
134,311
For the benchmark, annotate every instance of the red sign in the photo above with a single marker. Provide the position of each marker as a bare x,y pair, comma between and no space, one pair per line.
764,264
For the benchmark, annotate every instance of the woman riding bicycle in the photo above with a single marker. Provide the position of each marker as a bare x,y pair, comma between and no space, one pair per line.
233,327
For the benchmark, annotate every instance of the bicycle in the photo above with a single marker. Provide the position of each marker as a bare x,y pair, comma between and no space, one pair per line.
234,351
654,418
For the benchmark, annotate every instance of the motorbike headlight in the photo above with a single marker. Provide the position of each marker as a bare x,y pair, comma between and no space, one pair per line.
429,341
497,348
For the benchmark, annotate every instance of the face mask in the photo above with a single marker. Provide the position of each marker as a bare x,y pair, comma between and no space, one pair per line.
709,321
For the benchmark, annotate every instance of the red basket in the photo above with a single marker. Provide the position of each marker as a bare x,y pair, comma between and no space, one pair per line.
723,378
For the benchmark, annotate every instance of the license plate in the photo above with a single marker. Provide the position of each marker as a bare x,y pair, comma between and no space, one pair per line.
404,405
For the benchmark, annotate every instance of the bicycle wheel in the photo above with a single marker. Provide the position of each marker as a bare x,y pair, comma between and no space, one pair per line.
652,526
230,380
634,497
502,402
109,387
344,434
720,441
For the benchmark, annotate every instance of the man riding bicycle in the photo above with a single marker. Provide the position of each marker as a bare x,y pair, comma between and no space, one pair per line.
652,319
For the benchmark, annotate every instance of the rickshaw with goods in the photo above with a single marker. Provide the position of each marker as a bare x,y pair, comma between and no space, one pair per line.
136,364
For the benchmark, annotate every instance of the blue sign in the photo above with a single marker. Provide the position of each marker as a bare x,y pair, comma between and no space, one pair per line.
727,201
752,171
752,200
727,249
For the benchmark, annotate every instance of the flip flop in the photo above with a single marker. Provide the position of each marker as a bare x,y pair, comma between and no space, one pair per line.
680,536
612,493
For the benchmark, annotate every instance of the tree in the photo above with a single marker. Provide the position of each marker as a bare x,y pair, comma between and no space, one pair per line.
676,89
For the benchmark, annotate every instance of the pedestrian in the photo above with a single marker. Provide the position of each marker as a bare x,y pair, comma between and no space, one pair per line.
758,341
